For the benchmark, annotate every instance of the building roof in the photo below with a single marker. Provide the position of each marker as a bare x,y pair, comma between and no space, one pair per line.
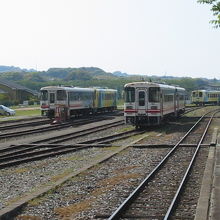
13,85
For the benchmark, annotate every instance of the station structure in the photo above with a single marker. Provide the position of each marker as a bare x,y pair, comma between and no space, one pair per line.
16,92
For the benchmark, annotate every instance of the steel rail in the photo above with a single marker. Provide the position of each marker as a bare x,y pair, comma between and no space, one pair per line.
21,119
118,212
10,211
56,150
81,133
27,124
191,110
186,175
53,147
33,131
69,123
48,128
16,148
111,138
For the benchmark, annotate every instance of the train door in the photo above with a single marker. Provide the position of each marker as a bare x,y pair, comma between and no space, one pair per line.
161,103
52,98
218,99
100,99
141,101
68,99
176,102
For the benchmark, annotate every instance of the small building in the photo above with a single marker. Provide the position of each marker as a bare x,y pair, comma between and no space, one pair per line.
16,92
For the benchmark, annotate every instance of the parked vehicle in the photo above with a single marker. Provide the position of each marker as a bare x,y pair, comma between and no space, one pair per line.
148,103
6,111
74,101
203,97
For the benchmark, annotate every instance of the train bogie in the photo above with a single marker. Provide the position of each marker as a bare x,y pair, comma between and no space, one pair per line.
149,103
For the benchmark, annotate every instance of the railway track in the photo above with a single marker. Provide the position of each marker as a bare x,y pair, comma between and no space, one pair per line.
47,128
98,144
20,120
18,154
191,109
41,121
10,210
157,195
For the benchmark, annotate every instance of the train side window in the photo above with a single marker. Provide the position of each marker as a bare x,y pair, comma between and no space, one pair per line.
108,96
82,96
154,94
200,94
78,96
71,96
141,98
181,97
129,94
168,98
61,95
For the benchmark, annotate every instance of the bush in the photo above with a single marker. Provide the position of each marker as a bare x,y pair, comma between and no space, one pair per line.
7,103
30,102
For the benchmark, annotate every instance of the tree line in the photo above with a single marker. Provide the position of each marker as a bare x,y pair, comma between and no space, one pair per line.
95,77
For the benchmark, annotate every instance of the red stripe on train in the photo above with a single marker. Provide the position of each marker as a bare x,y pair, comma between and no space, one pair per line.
130,111
148,111
153,111
45,106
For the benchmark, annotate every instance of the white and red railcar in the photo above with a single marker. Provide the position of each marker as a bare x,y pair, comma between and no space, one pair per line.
75,101
148,103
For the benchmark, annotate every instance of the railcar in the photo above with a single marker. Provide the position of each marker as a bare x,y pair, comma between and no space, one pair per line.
74,101
203,97
148,103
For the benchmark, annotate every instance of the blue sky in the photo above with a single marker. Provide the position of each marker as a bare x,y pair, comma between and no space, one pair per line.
172,37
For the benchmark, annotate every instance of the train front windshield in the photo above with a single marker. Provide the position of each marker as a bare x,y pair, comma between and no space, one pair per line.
129,94
44,95
197,94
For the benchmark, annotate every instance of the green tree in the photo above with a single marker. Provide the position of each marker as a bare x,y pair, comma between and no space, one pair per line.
215,8
78,75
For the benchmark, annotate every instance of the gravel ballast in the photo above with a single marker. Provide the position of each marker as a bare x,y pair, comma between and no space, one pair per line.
93,193
96,190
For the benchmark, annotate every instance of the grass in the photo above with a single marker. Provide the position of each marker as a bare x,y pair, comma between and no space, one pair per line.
71,211
68,212
34,112
37,201
28,217
24,112
24,106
